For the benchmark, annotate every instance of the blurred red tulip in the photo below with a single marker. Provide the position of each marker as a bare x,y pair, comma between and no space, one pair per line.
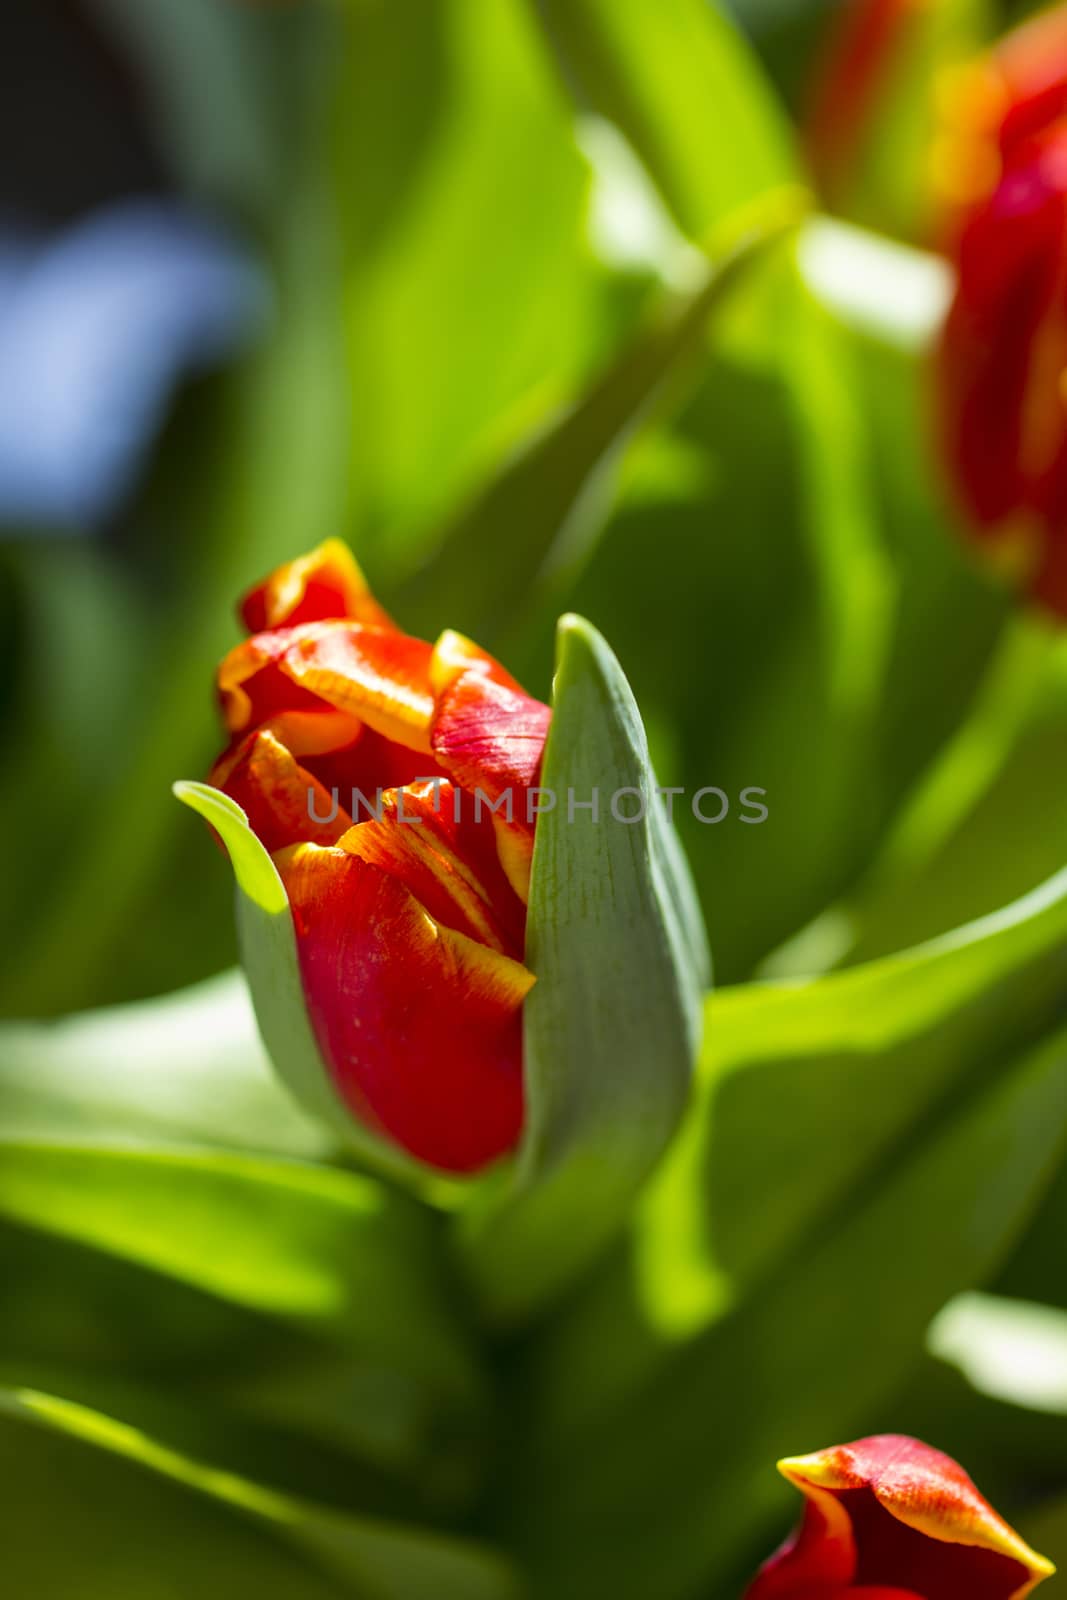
370,763
890,1519
1002,389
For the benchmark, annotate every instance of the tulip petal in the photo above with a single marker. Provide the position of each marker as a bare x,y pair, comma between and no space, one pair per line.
421,1026
915,1522
326,583
427,837
490,738
373,675
253,688
821,1555
272,968
284,804
376,674
454,654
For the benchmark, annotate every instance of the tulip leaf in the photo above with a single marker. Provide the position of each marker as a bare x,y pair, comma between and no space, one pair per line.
333,1253
681,84
257,877
269,956
79,1315
550,495
1000,775
836,1074
671,1490
613,1022
87,1468
472,300
184,1067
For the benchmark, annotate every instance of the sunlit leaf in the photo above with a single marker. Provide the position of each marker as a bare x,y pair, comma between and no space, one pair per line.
242,1533
612,1024
671,1488
684,89
551,497
327,1251
835,1074
186,1067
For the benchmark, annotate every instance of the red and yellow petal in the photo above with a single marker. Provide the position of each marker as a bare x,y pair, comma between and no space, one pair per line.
326,583
1029,63
421,1027
1004,348
820,1556
304,734
252,687
490,739
916,1523
426,837
284,804
376,674
455,654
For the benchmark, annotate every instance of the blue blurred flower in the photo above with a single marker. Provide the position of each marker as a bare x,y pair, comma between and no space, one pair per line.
97,325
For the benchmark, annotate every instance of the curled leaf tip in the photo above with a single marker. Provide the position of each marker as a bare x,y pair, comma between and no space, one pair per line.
253,868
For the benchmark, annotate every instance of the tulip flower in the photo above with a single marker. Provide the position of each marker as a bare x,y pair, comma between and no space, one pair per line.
1002,398
393,783
889,1518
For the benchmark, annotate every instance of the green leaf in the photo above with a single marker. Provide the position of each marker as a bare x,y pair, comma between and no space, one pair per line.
773,591
675,1488
272,967
332,1253
85,1319
186,1067
612,1024
550,496
1035,1271
985,821
685,90
470,291
837,1076
206,1529
1011,1350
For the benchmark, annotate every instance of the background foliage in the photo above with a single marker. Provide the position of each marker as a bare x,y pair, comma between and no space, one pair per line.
547,322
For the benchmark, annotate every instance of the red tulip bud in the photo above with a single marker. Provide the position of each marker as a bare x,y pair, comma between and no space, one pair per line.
389,780
1002,392
890,1519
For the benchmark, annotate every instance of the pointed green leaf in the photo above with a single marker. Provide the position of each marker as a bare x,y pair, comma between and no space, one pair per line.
682,85
180,1068
613,1022
331,1252
674,1489
297,1548
805,1091
550,496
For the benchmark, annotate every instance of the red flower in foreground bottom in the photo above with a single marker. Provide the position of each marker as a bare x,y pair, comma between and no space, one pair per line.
1001,389
890,1519
392,782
